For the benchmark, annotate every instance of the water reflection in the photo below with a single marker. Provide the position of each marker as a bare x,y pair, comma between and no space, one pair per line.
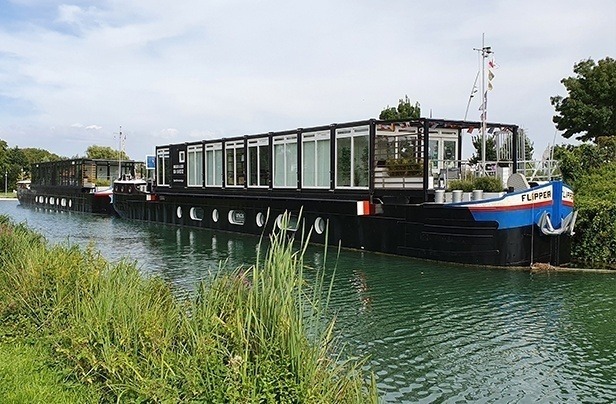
432,332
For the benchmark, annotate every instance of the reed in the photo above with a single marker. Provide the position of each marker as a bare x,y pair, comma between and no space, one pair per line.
256,334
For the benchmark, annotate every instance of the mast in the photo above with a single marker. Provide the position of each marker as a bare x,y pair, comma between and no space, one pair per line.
485,51
120,150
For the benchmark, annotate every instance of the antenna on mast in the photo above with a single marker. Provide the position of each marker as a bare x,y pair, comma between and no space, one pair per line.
484,51
122,140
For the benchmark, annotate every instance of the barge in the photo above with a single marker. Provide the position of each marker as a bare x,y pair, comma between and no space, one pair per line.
382,186
79,185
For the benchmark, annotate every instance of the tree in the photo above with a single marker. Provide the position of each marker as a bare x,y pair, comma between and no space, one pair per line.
505,147
490,149
34,155
578,161
105,152
404,111
3,162
12,164
590,107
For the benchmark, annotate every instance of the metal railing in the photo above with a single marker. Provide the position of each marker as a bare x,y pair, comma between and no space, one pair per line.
443,171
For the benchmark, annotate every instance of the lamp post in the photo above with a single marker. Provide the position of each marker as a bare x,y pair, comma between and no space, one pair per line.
6,174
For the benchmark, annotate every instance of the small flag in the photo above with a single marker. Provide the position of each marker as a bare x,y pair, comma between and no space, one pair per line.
474,91
491,65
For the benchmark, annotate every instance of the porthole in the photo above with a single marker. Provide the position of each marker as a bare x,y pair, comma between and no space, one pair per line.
178,212
260,219
215,215
51,200
70,203
196,214
237,217
63,203
319,225
287,222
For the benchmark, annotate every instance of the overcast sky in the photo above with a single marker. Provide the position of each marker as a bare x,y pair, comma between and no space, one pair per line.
72,73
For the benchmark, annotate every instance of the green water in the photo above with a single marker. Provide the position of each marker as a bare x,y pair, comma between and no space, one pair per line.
432,332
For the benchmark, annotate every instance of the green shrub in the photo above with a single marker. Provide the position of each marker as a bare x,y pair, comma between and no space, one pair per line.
488,184
102,183
404,167
464,185
589,168
594,241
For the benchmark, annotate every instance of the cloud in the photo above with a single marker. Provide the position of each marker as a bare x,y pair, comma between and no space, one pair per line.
212,68
169,133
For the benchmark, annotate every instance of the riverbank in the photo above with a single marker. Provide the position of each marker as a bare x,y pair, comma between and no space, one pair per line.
251,335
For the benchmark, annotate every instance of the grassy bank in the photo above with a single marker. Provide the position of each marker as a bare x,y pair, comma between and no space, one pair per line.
8,195
253,335
27,375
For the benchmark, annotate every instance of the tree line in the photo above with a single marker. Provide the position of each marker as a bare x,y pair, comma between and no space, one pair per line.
16,162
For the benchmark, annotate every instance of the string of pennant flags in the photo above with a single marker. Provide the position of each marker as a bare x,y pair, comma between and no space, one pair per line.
491,67
490,86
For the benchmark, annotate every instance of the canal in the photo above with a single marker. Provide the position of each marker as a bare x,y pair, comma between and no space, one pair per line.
431,332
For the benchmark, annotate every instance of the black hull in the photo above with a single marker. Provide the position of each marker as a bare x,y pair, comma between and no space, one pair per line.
427,231
67,199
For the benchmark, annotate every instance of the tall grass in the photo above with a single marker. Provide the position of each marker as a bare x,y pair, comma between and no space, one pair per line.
249,335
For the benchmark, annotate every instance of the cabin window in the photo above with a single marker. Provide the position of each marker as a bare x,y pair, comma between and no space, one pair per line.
449,151
182,156
196,214
260,219
213,165
163,167
195,166
285,161
234,154
352,162
316,159
443,150
319,225
287,222
433,153
258,162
